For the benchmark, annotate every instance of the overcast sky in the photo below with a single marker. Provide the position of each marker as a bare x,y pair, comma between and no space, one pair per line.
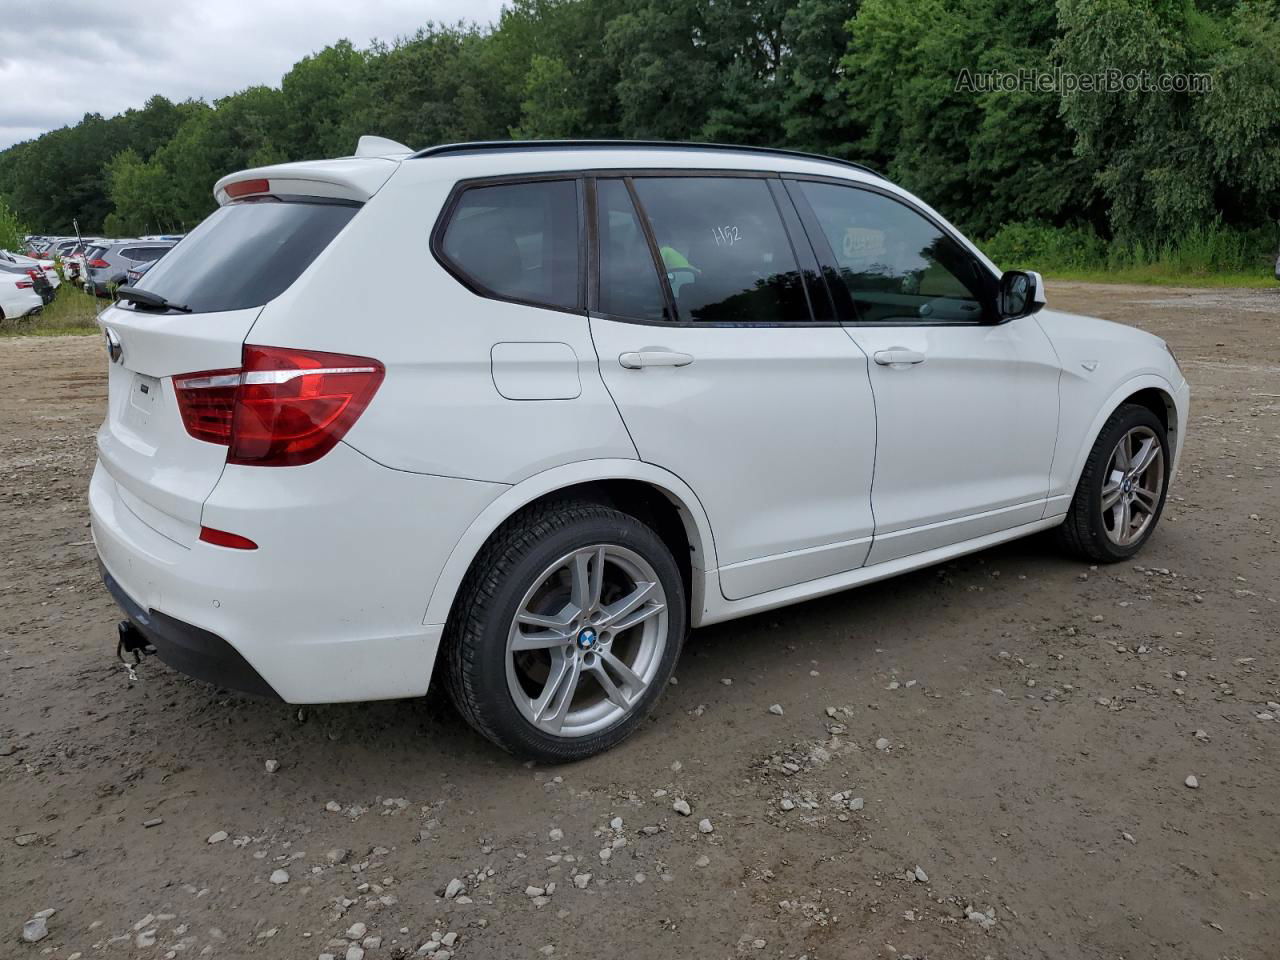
61,60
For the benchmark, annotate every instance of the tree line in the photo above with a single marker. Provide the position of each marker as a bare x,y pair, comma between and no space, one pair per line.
871,80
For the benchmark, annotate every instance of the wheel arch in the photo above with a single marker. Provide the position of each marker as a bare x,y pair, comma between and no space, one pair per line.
1150,391
652,493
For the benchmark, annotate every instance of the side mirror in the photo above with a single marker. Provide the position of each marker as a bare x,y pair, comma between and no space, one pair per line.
1021,293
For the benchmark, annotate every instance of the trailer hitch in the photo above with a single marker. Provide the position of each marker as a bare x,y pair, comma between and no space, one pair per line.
131,641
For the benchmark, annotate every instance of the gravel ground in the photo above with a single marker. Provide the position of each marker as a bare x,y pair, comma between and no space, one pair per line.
992,758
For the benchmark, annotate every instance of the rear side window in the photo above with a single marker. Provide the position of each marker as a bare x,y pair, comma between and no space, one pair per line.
518,241
145,254
246,253
629,284
726,253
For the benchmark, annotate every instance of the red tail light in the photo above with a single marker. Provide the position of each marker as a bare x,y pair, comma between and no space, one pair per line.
282,408
25,284
98,263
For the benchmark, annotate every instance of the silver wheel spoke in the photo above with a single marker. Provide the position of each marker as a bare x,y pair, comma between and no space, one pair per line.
651,609
580,580
1145,457
538,641
620,608
559,623
1147,499
625,673
552,705
611,689
1110,494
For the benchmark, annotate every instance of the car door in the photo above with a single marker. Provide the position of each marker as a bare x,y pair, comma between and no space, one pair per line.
724,377
966,404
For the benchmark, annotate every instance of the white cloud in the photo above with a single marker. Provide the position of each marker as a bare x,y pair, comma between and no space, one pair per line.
62,60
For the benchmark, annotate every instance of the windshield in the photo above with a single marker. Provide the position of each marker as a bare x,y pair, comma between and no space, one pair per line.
246,253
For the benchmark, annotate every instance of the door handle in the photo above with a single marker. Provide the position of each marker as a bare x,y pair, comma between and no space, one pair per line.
638,359
897,355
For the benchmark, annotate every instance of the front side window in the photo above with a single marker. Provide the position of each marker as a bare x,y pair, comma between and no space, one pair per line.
726,254
518,241
896,265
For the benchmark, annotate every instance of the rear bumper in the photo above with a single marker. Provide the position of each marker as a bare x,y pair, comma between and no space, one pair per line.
190,650
329,608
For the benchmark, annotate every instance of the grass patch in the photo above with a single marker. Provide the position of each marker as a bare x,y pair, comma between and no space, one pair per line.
1214,257
72,312
1153,276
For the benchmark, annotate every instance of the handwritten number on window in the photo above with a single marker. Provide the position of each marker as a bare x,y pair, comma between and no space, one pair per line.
726,236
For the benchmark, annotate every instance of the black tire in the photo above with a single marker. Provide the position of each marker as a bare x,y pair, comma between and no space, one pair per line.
475,638
1084,533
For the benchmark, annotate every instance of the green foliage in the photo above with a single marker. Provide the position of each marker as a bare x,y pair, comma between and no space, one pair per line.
1078,251
12,230
1078,179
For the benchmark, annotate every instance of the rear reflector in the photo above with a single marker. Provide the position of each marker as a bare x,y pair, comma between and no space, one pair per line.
283,408
220,538
245,187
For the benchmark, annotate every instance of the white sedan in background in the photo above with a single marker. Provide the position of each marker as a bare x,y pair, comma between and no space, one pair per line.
18,297
30,263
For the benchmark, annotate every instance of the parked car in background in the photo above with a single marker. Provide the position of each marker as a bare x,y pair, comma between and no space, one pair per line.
40,282
18,296
634,388
73,258
107,264
47,267
137,273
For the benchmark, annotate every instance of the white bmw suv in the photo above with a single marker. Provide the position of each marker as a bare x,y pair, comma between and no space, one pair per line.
631,388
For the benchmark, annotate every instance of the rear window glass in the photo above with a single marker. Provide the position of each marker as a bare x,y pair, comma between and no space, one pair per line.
93,253
518,241
245,254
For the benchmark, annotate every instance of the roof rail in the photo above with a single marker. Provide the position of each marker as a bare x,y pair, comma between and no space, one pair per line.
479,146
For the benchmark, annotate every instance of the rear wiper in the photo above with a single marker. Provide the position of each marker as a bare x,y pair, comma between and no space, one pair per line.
148,300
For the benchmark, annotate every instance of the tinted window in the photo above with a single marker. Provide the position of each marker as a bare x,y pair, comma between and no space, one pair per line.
245,254
145,254
518,241
629,283
896,264
726,254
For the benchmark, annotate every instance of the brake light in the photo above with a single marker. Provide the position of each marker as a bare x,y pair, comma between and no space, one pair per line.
98,263
246,187
25,284
282,408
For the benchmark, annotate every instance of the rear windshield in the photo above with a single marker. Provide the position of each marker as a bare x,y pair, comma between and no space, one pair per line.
246,253
93,253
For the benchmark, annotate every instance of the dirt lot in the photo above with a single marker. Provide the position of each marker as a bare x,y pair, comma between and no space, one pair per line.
1039,720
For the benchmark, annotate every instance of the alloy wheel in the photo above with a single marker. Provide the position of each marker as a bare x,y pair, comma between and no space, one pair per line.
587,640
1134,481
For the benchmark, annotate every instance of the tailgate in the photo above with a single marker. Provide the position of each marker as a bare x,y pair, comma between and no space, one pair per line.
163,474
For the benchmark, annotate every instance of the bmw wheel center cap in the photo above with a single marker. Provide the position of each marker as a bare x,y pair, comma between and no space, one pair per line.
587,639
